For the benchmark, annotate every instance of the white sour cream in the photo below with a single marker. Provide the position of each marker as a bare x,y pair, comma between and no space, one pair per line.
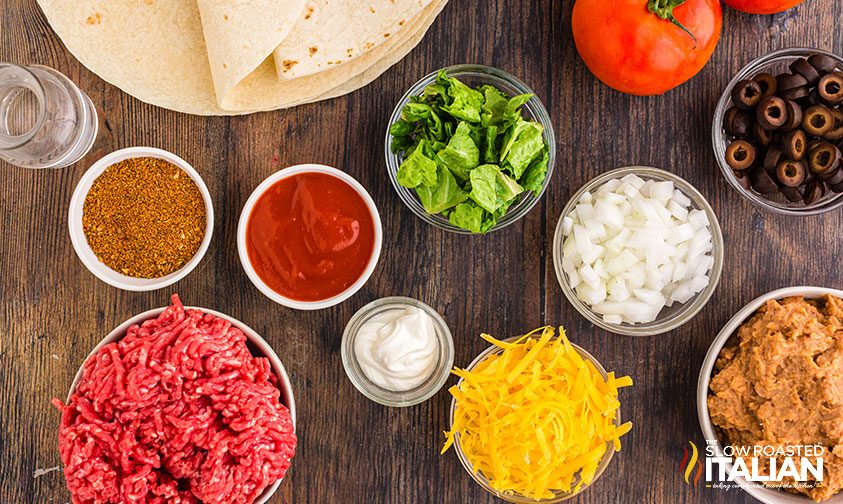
397,349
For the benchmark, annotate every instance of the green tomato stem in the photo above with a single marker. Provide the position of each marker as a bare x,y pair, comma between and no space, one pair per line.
664,10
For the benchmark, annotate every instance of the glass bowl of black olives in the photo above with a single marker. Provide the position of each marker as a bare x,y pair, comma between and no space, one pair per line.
778,131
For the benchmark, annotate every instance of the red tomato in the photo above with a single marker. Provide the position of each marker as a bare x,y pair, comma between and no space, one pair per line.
638,52
762,6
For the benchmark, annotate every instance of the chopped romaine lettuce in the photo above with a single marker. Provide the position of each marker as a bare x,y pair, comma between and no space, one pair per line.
467,216
469,152
523,144
417,169
461,155
445,194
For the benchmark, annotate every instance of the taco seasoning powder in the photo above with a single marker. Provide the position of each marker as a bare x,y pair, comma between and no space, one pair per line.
144,217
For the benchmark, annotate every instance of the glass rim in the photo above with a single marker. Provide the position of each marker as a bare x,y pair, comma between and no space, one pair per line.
481,480
37,89
534,108
687,310
392,398
719,144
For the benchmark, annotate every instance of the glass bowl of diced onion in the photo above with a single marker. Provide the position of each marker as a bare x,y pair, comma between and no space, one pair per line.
688,302
559,495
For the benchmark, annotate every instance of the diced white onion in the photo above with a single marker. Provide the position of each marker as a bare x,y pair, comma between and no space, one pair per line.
633,247
567,225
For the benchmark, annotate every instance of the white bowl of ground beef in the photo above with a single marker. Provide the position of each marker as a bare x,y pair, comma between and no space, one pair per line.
257,347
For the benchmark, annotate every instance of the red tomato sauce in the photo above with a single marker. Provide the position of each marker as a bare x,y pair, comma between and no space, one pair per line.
310,236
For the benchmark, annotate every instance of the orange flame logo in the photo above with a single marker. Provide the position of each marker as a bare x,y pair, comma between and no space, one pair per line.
690,462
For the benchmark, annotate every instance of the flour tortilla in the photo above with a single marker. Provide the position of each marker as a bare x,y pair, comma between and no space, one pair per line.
335,32
239,35
155,50
342,79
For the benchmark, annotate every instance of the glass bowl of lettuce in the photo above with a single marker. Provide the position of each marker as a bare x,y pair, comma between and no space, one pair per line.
470,149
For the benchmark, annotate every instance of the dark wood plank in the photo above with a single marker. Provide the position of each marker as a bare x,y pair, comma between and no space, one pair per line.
54,311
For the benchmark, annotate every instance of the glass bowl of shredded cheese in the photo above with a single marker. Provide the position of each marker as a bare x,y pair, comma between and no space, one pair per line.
542,388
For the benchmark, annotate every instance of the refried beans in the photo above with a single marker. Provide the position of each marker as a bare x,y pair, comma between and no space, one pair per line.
780,383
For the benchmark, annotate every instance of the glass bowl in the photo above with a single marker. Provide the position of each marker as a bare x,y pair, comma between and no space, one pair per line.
379,394
517,498
774,62
474,75
670,317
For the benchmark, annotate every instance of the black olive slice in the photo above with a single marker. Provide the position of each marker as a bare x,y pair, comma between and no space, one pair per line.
830,88
762,181
822,63
746,94
740,155
743,179
790,81
795,144
824,159
771,113
767,83
796,93
737,122
794,116
793,194
803,68
791,173
814,192
817,120
835,178
772,157
762,136
836,131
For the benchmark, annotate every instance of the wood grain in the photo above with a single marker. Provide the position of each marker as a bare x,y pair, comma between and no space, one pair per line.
352,450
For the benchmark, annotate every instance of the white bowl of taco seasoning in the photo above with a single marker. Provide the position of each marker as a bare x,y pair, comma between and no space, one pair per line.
86,253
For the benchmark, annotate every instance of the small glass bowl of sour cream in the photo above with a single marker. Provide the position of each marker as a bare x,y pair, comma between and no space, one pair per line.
397,351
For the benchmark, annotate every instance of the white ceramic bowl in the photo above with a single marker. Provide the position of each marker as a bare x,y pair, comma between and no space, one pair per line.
80,243
254,338
244,220
765,495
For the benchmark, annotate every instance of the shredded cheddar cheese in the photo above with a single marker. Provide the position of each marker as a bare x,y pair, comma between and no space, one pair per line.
536,418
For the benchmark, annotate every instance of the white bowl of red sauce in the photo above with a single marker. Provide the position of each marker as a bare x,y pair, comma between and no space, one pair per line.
309,237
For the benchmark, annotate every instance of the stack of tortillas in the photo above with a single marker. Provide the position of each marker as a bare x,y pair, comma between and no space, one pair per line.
225,57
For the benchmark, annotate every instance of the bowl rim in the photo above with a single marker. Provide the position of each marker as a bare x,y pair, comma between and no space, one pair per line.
719,143
689,309
83,249
244,221
378,394
518,210
285,384
766,495
519,499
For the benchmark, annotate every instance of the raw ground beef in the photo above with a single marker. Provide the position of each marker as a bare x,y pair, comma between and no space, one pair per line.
177,411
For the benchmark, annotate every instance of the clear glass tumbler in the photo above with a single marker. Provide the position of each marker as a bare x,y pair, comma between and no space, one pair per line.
45,120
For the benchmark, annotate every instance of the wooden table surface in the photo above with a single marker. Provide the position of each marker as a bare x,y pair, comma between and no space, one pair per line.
353,450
